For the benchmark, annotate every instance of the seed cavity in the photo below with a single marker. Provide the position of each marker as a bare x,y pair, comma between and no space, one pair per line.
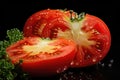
43,46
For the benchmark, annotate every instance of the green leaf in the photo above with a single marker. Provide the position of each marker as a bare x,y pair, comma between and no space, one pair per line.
14,35
8,71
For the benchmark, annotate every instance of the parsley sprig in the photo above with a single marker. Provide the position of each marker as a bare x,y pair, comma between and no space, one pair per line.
8,71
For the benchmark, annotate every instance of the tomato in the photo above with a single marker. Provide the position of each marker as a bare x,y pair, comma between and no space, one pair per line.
36,22
90,33
93,39
42,57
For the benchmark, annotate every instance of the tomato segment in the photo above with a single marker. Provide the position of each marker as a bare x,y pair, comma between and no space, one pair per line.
52,30
36,22
42,57
93,39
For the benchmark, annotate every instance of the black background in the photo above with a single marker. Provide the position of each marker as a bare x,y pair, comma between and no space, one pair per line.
14,14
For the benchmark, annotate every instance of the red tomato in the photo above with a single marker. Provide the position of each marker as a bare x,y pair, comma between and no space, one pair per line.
93,39
90,33
35,23
42,57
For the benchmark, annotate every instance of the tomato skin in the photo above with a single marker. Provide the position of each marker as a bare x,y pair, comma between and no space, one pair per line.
45,63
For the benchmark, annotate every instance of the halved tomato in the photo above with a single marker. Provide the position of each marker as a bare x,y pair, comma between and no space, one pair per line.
89,32
93,38
42,57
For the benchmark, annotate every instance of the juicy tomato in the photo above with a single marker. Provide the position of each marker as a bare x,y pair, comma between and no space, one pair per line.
41,20
42,57
93,38
89,32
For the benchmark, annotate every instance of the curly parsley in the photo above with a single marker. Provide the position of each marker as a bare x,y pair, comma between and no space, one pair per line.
8,71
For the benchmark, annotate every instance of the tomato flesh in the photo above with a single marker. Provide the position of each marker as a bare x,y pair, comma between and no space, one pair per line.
42,57
51,30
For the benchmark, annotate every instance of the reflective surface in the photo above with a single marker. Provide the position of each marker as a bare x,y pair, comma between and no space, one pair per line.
100,71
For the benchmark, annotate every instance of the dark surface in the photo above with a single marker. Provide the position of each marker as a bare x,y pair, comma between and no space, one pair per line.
14,14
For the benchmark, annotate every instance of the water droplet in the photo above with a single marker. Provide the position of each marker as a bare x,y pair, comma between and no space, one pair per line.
111,61
110,65
91,27
94,60
98,50
60,79
76,63
65,76
58,70
28,27
100,56
102,64
70,73
72,77
31,18
99,62
72,63
80,60
65,68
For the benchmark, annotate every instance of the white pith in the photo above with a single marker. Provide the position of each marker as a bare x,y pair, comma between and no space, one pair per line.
77,34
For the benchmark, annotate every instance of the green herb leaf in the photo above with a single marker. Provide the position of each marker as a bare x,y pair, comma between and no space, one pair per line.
8,71
14,35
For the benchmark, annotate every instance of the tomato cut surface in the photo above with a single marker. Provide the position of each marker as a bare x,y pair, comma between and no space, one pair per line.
42,57
93,38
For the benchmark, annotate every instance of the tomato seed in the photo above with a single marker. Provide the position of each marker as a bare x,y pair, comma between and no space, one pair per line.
109,65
